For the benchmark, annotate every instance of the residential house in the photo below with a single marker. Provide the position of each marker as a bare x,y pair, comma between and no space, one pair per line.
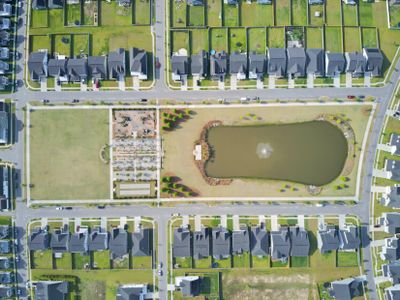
280,244
221,243
199,64
394,144
124,3
316,2
59,241
6,262
142,242
4,53
393,292
5,231
4,38
55,4
4,67
4,81
392,196
195,2
241,240
118,243
6,277
138,63
335,64
5,247
97,66
392,271
391,249
257,65
350,2
5,23
189,285
300,242
132,291
219,65
201,243
78,242
39,240
182,243
117,64
355,64
98,240
6,291
348,238
390,222
296,65
179,66
4,120
277,62
5,203
238,65
77,69
39,4
315,62
264,2
374,59
49,290
347,289
328,239
392,167
58,69
5,9
259,241
37,65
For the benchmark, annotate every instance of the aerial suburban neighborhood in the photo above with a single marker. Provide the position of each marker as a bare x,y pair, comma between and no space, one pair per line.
192,149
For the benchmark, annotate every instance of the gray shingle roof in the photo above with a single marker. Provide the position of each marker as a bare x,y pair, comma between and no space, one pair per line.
238,63
190,288
300,242
335,63
315,61
57,67
392,270
221,242
6,277
347,289
199,63
241,240
356,63
129,292
36,65
55,4
4,231
328,239
59,241
374,60
348,237
296,65
78,243
257,64
118,243
182,240
39,4
391,249
141,242
138,60
391,222
6,291
393,166
393,198
259,241
393,292
201,243
116,63
49,290
97,67
5,246
219,64
179,64
277,61
98,240
39,240
6,263
77,69
280,244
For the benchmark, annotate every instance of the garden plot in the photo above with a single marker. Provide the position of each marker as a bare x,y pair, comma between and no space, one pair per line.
350,15
333,14
180,40
214,13
276,37
333,39
237,40
317,15
219,39
113,15
198,40
73,13
255,14
196,16
314,37
231,15
142,12
90,13
299,12
369,37
39,18
352,39
257,39
282,11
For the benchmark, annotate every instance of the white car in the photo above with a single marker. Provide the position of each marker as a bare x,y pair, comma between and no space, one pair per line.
59,208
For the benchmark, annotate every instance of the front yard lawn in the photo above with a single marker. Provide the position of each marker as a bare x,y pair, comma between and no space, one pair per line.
347,259
299,262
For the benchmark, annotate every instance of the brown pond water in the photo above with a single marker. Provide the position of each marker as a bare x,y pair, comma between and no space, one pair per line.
312,152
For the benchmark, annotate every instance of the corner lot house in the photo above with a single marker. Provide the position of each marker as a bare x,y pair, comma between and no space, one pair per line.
48,290
180,67
141,242
390,222
182,243
132,291
189,285
201,243
347,289
39,240
374,59
37,65
138,63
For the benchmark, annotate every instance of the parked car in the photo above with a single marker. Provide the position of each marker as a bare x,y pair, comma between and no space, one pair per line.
101,206
160,272
143,100
351,97
45,101
59,208
160,264
68,207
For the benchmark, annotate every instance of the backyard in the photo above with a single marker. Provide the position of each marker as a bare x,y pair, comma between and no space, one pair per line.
257,15
314,37
283,13
64,153
257,39
333,39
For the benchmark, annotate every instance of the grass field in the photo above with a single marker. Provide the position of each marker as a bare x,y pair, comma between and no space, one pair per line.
178,146
204,263
141,13
316,21
112,14
333,12
73,14
38,42
352,39
39,18
299,12
282,12
237,40
42,260
64,152
63,44
333,39
394,15
241,261
369,37
89,10
347,259
219,39
196,16
259,262
214,11
80,45
102,259
276,37
350,15
180,40
298,262
257,39
314,37
257,15
231,15
179,14
199,40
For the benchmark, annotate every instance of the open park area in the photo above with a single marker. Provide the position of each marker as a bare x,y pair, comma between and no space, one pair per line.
179,145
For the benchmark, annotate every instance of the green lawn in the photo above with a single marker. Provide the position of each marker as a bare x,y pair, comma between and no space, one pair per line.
350,15
42,259
219,39
63,44
64,154
90,9
223,263
141,13
73,14
298,262
231,15
347,259
80,261
282,11
314,37
39,18
276,37
183,262
260,262
142,262
114,15
64,263
38,42
180,40
121,263
279,264
365,11
80,44
237,40
101,259
257,15
352,39
333,39
257,39
241,261
394,15
333,12
316,21
196,16
214,12
199,40
369,37
203,263
299,12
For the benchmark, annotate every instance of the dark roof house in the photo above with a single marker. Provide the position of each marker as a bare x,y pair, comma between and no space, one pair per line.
335,64
39,4
138,63
240,240
6,263
296,66
328,239
199,64
6,291
37,65
39,240
259,241
78,242
348,238
238,65
300,242
390,222
77,69
392,198
118,243
221,242
347,289
59,241
97,67
58,68
392,271
189,285
391,249
50,290
141,242
257,65
201,243
116,64
132,292
280,244
315,62
179,66
355,63
219,65
98,240
374,59
182,242
277,62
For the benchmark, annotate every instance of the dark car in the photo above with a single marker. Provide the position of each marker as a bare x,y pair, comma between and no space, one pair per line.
68,207
351,97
